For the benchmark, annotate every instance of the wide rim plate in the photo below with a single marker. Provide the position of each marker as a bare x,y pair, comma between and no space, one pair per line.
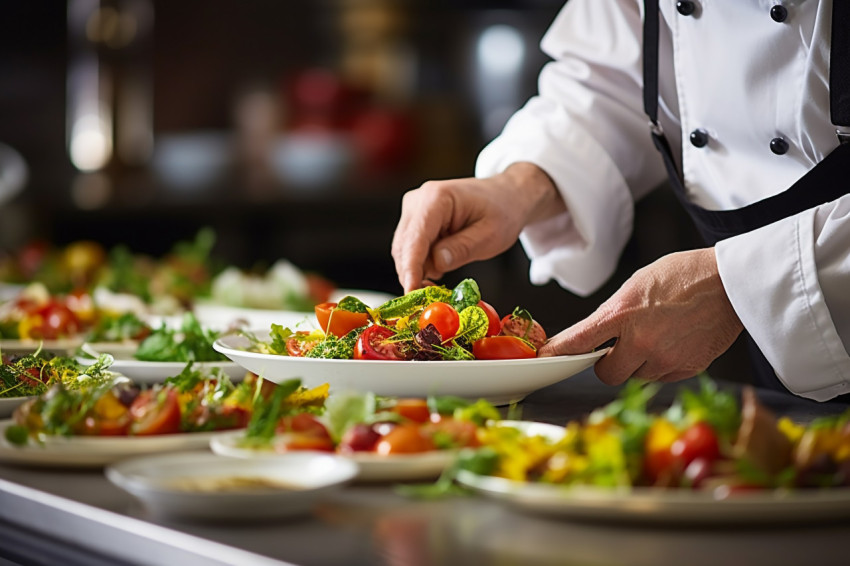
9,404
310,474
63,346
156,372
93,451
372,467
376,467
643,505
221,317
498,381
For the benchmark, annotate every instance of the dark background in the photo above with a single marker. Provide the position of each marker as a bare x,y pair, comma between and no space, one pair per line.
198,62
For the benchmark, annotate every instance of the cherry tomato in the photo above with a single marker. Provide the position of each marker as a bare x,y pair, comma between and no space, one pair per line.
405,439
495,325
359,438
339,322
49,322
513,325
302,441
697,441
155,412
444,318
31,377
502,348
374,344
415,410
304,423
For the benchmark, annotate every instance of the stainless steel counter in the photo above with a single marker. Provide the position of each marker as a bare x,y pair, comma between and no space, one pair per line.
50,516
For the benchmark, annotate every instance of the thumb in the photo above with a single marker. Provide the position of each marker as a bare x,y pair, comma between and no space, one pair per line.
581,338
475,243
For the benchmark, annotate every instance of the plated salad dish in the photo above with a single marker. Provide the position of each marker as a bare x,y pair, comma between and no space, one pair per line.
26,376
390,438
705,443
428,324
193,401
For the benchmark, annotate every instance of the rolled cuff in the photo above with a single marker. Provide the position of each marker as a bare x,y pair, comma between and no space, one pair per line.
580,248
770,276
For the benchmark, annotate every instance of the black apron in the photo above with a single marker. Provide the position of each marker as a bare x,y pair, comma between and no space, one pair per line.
827,181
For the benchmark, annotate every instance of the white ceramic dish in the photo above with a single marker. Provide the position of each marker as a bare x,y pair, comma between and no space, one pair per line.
62,347
9,404
375,467
156,372
499,381
674,507
221,317
92,451
372,467
305,477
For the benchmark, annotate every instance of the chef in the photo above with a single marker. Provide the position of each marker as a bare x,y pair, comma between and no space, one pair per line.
743,105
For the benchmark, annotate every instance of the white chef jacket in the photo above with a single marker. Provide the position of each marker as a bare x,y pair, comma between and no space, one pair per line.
733,71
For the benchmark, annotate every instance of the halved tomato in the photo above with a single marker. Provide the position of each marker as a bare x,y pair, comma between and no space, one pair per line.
339,322
502,348
375,344
155,412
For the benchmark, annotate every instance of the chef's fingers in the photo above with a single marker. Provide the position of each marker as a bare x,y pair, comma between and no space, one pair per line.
422,220
617,366
597,330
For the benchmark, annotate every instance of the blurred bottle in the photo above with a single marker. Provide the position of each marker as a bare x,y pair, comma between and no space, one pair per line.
110,83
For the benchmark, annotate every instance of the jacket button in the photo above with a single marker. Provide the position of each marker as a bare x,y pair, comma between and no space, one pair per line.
779,146
779,13
686,7
699,138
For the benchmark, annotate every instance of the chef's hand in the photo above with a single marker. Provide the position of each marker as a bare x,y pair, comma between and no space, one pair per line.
447,224
671,319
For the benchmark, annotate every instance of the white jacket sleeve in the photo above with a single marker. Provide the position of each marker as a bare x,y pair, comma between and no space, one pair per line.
587,129
789,282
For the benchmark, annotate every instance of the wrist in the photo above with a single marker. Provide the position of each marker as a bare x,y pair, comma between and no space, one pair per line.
537,189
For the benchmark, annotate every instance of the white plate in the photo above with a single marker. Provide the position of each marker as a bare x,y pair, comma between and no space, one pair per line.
62,347
375,467
648,505
9,404
310,476
499,381
221,317
96,451
372,467
157,372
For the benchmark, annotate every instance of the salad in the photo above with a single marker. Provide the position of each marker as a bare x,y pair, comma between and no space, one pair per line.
193,401
703,442
432,323
189,343
33,374
361,423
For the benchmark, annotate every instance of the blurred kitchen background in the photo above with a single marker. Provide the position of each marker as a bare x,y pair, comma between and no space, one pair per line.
292,128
